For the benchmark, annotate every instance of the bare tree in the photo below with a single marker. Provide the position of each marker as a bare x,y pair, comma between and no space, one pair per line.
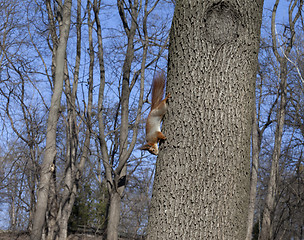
23,113
32,136
259,126
47,167
125,134
69,123
266,227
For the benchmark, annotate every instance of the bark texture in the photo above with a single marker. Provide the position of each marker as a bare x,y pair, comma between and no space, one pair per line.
201,184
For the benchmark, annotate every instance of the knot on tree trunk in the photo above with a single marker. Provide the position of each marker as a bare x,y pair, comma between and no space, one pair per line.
222,21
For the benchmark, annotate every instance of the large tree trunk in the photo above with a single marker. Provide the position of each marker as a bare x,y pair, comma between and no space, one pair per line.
47,166
201,184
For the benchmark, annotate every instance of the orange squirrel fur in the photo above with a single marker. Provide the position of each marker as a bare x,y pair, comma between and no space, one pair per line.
158,110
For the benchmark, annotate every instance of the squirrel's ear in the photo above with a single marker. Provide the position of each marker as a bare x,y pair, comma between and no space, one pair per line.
145,147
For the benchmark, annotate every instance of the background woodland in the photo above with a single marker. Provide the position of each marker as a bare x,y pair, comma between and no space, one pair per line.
78,140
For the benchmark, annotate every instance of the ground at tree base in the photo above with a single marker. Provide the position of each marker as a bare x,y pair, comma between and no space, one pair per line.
26,236
8,235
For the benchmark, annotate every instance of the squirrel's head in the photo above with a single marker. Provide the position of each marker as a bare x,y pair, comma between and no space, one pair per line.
152,148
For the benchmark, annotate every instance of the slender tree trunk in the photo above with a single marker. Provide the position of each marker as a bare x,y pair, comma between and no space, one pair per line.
113,216
116,190
47,166
32,184
64,214
201,184
13,214
257,136
266,232
116,177
75,170
256,145
101,125
52,209
267,227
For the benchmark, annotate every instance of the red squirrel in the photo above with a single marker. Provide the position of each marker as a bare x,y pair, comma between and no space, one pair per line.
158,110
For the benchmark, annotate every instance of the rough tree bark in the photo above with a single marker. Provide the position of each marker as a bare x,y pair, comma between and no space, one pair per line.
201,184
267,218
47,166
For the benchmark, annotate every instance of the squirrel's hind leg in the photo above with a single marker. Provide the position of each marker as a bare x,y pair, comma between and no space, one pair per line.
161,136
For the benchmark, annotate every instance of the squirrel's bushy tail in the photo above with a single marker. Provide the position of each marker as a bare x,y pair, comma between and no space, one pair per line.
158,88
